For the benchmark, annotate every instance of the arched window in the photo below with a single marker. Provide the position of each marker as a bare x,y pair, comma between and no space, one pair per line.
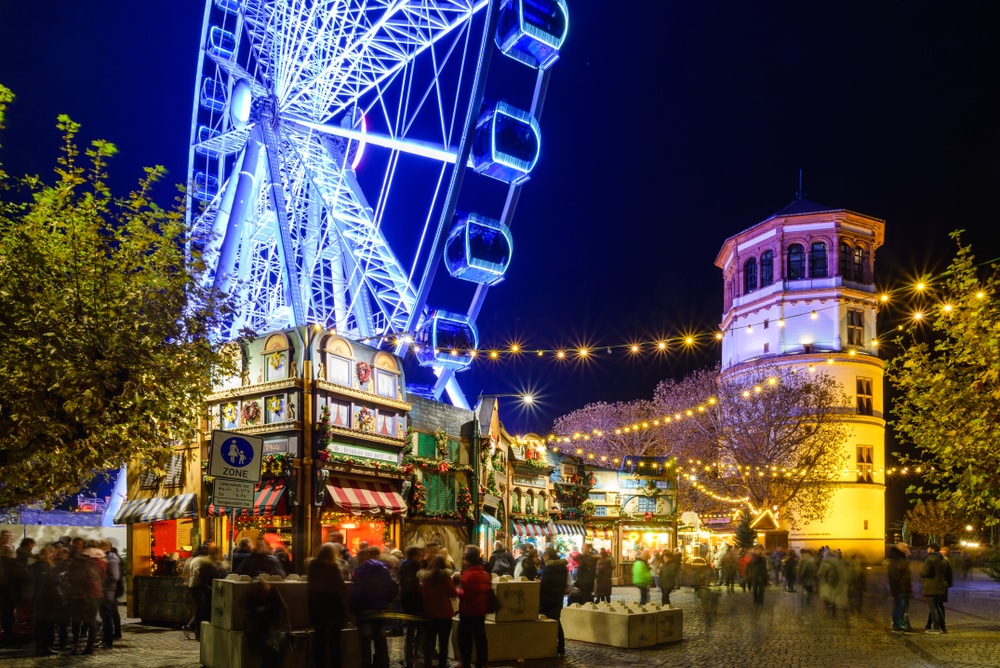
766,268
817,260
796,262
859,264
750,276
845,259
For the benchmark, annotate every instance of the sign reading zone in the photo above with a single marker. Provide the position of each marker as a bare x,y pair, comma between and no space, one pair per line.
235,456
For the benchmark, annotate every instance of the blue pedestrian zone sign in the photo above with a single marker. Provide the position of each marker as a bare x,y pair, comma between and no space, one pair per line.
235,456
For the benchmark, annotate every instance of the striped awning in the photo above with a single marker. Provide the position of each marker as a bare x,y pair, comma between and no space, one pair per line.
364,496
570,528
487,519
183,506
604,533
268,499
530,529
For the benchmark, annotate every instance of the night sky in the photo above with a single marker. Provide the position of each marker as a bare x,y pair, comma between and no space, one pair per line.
668,127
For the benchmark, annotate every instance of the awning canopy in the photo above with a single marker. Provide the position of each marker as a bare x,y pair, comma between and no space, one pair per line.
268,499
605,533
487,519
364,496
183,506
529,529
570,528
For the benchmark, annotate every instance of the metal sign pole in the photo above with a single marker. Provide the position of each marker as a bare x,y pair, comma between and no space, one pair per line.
232,535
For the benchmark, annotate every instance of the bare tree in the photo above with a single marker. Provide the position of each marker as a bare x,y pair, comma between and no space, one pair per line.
770,437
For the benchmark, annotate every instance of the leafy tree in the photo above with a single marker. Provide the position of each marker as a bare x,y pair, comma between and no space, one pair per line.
933,520
768,437
107,349
948,391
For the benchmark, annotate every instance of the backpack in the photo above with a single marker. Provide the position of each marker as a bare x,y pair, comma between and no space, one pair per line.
492,602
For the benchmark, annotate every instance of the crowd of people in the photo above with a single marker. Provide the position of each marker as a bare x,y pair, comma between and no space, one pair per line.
64,590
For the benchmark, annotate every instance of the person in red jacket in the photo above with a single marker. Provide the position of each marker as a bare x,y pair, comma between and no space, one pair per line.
436,591
472,608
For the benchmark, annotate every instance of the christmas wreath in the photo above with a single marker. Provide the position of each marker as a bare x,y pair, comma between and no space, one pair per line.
250,414
364,372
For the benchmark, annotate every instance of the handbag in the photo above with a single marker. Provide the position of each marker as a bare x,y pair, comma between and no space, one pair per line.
492,602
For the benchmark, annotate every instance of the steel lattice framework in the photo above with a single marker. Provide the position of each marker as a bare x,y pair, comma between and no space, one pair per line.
318,127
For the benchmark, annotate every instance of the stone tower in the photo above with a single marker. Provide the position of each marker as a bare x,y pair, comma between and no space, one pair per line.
800,291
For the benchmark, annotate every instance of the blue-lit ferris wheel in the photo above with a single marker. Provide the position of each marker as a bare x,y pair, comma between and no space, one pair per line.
330,145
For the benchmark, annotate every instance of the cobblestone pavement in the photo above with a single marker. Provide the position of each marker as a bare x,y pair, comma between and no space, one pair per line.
720,629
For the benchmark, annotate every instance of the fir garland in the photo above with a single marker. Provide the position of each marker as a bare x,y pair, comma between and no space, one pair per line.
463,501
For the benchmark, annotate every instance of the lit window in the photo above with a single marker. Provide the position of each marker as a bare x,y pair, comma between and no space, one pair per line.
865,399
859,264
865,465
817,260
796,262
646,504
855,327
750,276
845,259
766,268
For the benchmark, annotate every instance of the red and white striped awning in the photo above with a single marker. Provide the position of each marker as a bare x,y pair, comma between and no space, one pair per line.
529,529
364,496
268,499
605,533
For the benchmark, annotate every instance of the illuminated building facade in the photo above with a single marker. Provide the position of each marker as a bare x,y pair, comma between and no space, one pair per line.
800,292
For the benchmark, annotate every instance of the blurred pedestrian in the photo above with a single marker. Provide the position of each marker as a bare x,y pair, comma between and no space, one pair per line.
437,589
242,552
411,602
472,608
109,585
833,580
47,601
86,589
267,627
641,577
371,592
552,589
934,577
262,562
327,606
808,574
790,569
605,572
756,576
669,574
900,586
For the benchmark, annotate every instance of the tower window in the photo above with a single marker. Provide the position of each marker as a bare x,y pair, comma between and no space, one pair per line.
865,465
855,327
766,268
845,258
796,262
859,264
865,397
750,276
767,348
817,260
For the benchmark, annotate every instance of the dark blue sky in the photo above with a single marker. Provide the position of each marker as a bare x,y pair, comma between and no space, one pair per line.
668,127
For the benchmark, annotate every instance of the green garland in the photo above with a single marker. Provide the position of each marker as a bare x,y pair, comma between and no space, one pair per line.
463,501
435,464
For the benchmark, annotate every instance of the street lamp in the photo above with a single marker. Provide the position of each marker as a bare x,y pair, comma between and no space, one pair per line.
474,475
306,473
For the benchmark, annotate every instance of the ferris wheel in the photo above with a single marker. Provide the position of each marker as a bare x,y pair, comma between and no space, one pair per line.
330,145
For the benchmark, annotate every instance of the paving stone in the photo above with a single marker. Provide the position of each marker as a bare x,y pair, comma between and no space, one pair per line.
720,629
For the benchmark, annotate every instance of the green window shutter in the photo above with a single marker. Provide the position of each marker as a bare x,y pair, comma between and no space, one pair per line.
449,493
432,481
453,450
425,445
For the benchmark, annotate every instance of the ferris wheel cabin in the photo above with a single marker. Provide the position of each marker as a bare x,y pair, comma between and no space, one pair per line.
532,31
446,340
506,144
478,249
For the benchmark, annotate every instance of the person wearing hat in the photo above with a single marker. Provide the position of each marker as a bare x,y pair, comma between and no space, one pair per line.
900,586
